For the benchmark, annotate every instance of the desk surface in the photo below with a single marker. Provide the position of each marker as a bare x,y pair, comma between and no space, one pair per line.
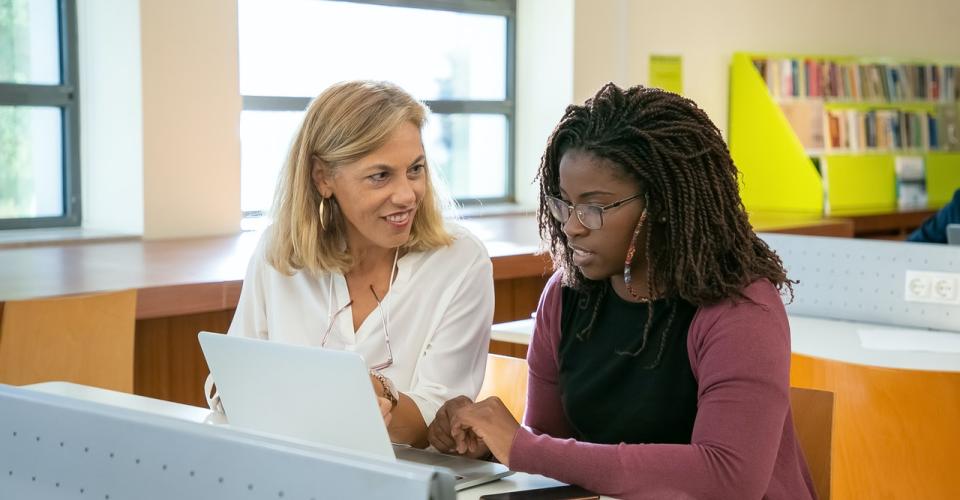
893,224
821,338
204,274
185,276
517,481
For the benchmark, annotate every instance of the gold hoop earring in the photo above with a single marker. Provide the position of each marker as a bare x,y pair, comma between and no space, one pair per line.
323,225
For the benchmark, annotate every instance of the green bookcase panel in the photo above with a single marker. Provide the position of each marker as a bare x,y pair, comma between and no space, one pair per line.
858,182
943,177
777,175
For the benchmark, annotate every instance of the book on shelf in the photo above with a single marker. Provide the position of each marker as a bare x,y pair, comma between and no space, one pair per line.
859,81
948,128
911,182
855,131
805,119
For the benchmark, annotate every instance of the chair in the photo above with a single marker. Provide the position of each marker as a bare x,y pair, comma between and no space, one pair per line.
506,378
813,420
85,339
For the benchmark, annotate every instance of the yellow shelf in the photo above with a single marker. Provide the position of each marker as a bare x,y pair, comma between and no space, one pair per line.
777,172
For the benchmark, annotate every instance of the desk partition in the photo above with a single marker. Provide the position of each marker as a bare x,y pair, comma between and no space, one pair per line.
897,402
865,280
54,446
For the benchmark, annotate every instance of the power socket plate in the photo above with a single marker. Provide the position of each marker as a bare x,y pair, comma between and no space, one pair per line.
932,287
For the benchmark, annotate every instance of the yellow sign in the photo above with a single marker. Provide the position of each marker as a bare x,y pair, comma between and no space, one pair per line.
666,72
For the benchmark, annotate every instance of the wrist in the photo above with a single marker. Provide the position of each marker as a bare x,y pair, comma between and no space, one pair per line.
387,390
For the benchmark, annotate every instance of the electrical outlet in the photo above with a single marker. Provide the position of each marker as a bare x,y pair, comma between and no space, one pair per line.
944,288
932,287
918,287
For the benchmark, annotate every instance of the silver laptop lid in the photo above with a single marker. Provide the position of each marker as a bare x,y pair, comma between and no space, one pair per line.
316,395
953,234
306,393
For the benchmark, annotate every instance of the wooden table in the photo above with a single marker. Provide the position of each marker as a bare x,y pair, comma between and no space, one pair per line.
810,225
891,224
189,285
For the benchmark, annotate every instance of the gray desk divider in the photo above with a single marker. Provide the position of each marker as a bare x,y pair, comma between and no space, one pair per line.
864,280
55,447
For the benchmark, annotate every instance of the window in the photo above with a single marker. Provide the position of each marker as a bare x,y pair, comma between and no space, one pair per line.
455,55
39,166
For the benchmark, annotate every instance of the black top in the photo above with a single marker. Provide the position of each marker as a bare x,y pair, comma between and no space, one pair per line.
610,396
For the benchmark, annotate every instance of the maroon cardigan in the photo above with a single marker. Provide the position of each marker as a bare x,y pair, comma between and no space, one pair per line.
743,444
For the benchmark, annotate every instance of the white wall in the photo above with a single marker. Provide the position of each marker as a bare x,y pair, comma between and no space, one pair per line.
163,156
191,117
544,84
111,115
706,34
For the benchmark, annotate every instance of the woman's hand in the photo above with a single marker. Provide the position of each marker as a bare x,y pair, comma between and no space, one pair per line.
386,410
488,423
438,434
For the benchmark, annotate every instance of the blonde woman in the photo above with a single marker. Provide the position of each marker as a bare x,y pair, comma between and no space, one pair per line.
359,258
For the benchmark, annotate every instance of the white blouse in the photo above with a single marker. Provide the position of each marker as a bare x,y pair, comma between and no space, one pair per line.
439,311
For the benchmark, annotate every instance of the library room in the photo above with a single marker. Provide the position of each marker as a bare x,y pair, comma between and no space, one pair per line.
381,248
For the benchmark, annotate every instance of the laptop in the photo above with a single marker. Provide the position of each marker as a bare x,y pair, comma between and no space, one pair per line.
318,396
953,234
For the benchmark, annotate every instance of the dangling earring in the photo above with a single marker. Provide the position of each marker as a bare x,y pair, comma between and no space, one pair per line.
323,225
631,253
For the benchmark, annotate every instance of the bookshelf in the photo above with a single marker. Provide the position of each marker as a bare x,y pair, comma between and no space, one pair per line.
826,134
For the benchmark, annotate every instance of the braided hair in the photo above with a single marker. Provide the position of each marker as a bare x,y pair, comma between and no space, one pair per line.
700,246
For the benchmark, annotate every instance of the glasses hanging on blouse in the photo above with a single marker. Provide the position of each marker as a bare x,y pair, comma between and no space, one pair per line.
383,321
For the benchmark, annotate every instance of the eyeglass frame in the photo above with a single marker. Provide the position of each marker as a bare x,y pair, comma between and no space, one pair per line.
574,207
383,320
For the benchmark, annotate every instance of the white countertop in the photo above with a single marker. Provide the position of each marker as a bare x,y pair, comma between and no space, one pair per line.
830,339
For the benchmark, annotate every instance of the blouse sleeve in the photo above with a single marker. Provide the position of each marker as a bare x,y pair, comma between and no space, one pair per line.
453,361
250,319
741,357
544,412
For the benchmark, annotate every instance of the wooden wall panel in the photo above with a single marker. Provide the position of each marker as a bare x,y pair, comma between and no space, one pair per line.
168,361
516,298
526,295
503,301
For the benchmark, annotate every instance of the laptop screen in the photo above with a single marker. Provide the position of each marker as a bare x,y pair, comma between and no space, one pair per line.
306,393
953,234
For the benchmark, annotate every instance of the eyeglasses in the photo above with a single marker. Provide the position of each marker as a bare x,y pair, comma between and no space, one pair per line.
383,320
591,216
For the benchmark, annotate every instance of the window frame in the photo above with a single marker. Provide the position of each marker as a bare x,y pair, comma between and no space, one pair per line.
63,96
505,107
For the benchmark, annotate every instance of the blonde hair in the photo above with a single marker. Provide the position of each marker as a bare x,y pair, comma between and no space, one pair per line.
346,122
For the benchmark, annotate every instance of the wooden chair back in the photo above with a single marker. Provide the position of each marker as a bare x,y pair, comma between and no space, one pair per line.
813,420
85,339
506,378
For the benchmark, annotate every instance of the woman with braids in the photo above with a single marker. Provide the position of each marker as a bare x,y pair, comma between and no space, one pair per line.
660,359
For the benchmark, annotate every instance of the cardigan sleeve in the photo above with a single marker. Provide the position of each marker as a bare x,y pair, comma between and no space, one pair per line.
544,412
740,355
